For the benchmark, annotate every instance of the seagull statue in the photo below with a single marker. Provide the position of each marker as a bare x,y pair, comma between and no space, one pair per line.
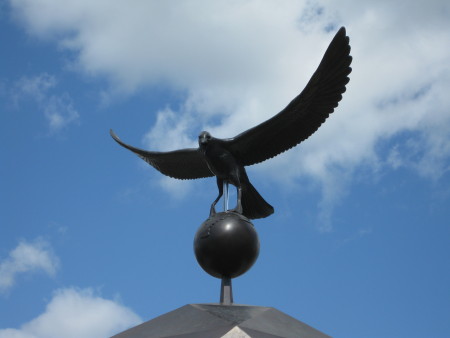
227,158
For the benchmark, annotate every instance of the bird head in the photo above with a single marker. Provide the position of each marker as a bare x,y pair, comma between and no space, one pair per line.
204,138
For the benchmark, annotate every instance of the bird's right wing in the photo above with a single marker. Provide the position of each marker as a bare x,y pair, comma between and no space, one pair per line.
182,164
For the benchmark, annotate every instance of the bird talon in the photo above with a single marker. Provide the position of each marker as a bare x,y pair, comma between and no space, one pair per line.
237,210
212,211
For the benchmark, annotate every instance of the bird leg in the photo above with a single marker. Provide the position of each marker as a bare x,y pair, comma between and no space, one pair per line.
212,212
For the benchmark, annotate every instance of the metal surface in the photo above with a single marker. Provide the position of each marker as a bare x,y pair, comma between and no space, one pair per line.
225,195
226,245
226,291
214,321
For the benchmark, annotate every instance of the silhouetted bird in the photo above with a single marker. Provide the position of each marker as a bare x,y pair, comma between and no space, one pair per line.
226,158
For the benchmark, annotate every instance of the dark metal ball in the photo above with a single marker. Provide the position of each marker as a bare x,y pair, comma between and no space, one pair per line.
226,245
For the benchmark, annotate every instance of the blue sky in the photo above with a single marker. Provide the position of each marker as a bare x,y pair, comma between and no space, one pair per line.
93,240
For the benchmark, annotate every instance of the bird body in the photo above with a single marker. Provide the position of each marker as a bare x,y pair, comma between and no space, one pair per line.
226,158
227,169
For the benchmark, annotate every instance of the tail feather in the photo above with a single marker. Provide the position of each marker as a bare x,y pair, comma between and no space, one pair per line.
253,205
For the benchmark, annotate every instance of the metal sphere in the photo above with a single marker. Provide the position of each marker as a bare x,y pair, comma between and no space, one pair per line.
226,245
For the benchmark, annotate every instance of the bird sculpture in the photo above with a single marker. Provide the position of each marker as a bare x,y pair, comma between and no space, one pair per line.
226,158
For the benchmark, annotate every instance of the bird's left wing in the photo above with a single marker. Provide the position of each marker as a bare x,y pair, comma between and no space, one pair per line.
304,115
182,164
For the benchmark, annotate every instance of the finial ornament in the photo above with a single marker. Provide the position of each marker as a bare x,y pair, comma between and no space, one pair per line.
226,245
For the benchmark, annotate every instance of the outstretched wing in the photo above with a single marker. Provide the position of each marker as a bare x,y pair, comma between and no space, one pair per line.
304,115
182,164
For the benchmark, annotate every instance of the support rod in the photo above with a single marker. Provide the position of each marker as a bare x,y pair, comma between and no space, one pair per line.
226,292
225,195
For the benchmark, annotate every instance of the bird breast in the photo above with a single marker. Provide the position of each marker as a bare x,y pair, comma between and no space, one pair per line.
220,161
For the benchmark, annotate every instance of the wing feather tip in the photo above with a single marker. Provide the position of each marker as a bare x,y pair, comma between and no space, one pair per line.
113,134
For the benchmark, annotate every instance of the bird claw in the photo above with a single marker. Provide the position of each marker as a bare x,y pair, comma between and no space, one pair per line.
237,210
212,211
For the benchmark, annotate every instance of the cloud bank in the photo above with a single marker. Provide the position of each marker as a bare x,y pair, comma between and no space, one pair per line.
75,313
239,63
25,258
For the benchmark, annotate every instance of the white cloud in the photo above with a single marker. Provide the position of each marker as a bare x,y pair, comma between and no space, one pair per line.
57,109
27,257
35,87
170,131
238,63
76,313
60,112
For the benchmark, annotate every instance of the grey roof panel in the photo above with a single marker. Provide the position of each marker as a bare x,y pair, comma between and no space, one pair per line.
215,321
280,324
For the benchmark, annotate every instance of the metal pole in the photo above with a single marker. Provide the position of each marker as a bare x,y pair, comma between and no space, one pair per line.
225,195
226,291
